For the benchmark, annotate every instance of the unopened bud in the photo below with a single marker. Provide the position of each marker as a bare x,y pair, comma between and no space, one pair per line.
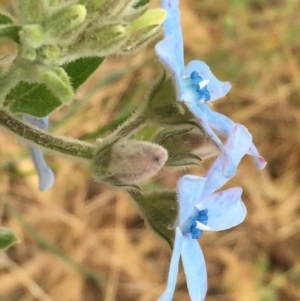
126,162
28,53
32,11
64,21
122,9
144,29
57,81
48,53
104,40
52,3
32,35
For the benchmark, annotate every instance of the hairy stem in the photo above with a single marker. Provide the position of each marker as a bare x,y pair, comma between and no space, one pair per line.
130,126
59,144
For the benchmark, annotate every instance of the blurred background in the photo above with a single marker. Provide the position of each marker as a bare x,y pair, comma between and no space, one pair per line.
84,241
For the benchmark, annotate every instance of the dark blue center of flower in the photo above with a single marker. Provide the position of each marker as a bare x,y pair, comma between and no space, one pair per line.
197,79
202,218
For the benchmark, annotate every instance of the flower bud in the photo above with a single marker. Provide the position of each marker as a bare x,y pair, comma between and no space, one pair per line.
125,162
120,9
103,40
57,81
48,53
28,53
32,35
64,21
32,11
143,30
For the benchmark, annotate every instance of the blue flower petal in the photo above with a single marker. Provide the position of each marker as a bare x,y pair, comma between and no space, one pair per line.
172,26
46,175
168,293
228,166
41,123
259,161
224,125
237,145
173,62
225,209
189,190
194,268
216,88
170,49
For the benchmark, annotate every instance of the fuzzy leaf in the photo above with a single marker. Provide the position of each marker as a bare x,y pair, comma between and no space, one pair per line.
4,19
7,238
81,69
10,31
37,100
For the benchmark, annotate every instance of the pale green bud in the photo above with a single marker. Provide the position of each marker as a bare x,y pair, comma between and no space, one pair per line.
32,35
32,11
103,40
48,53
151,18
57,81
64,21
127,162
52,3
28,53
143,30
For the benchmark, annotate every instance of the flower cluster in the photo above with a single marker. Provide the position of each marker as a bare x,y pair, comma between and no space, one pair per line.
199,206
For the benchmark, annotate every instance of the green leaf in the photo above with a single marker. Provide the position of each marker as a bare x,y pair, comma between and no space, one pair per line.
4,19
32,99
80,70
37,100
10,31
7,238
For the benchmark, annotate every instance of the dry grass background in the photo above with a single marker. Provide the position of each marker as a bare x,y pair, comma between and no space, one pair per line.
83,241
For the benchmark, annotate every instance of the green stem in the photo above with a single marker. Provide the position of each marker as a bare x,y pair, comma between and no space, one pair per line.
60,144
131,126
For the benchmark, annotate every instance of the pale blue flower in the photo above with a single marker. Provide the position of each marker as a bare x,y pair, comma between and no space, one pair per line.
196,86
46,175
201,208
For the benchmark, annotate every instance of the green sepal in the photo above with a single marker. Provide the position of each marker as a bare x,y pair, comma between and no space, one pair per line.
181,141
159,210
162,106
37,100
7,238
10,31
5,19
